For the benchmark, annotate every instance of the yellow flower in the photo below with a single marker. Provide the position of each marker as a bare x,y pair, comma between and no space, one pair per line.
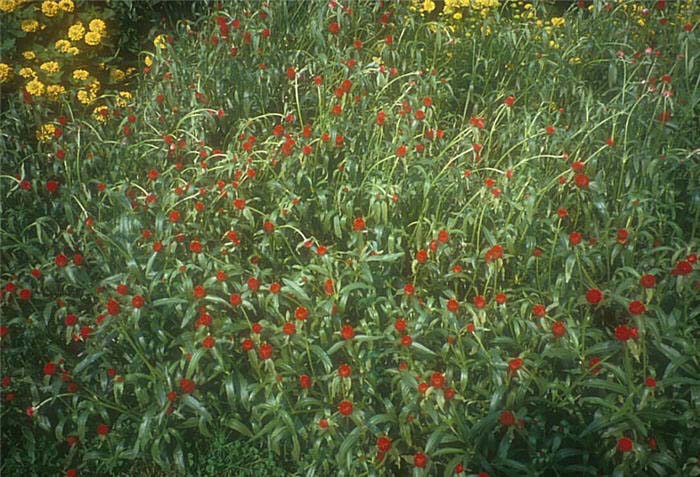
63,46
80,75
35,87
50,67
159,41
8,6
94,87
130,71
54,91
98,26
117,75
428,6
558,22
30,26
49,8
27,73
457,16
66,5
5,71
148,60
575,60
73,51
93,38
85,97
100,113
29,55
123,99
45,132
76,32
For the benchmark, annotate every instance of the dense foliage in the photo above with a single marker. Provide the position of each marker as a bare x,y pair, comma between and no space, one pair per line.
377,237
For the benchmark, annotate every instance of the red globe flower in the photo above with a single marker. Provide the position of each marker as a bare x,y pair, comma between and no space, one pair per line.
301,313
305,381
437,380
594,296
208,342
113,307
581,180
539,310
187,386
199,291
575,238
253,284
138,301
49,369
636,308
452,305
422,256
558,329
507,418
247,344
479,301
347,332
265,351
344,371
289,328
420,460
406,340
650,382
623,333
624,444
102,429
334,28
345,407
400,325
383,444
515,364
648,281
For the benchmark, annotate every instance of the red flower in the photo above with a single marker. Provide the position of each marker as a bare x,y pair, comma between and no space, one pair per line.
345,407
452,305
437,380
501,298
581,180
49,369
650,382
420,460
71,473
174,216
401,151
289,328
479,301
575,238
291,73
102,429
113,307
550,130
253,284
558,329
406,340
494,253
358,225
138,301
25,294
239,203
594,365
515,364
235,299
187,386
301,313
323,423
247,344
477,122
623,333
683,267
422,256
347,332
52,186
507,418
648,281
624,444
344,371
334,28
539,310
199,291
305,381
622,235
636,308
383,444
61,260
594,296
400,325
208,342
265,351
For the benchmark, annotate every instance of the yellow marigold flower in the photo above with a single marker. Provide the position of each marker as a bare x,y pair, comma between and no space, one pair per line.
49,8
159,41
130,71
123,99
558,22
93,38
76,32
85,97
457,16
117,75
428,6
8,6
29,55
30,26
35,87
45,132
100,113
94,87
62,45
73,51
50,67
5,71
66,5
98,26
27,73
54,91
148,60
80,75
